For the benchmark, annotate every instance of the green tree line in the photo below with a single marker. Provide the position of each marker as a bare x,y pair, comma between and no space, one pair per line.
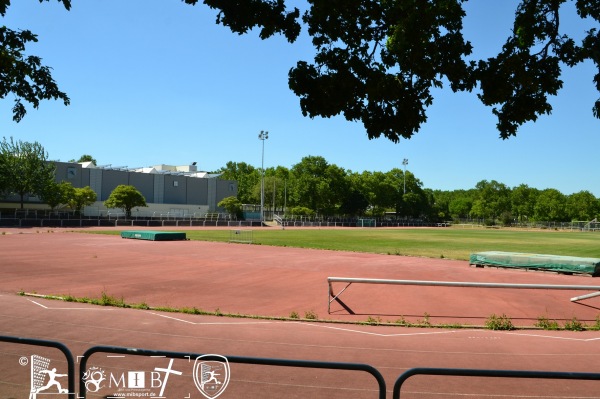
328,190
313,186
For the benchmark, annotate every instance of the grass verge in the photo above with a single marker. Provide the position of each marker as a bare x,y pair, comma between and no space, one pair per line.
446,243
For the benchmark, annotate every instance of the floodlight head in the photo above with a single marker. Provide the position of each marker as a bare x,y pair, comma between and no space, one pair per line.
263,135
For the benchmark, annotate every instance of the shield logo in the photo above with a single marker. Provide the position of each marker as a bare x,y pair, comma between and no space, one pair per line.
211,375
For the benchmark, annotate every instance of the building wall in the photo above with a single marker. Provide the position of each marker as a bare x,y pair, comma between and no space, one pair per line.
110,180
175,189
144,182
197,190
164,192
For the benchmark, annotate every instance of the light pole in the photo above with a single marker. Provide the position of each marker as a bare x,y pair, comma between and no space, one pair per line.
405,162
263,135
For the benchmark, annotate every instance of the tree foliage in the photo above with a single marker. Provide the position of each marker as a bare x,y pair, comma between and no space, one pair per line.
125,197
24,169
311,185
317,184
85,158
232,205
247,177
583,206
377,61
79,197
24,76
271,16
55,194
550,206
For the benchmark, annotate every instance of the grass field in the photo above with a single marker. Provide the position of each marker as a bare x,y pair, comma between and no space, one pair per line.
452,243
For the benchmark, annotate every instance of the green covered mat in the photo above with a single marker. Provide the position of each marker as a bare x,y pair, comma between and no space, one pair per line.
555,263
153,235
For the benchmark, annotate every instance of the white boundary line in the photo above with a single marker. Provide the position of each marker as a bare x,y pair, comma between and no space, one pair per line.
211,323
49,308
351,330
550,337
324,326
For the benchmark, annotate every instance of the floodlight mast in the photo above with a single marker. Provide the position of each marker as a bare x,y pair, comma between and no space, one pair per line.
263,135
405,162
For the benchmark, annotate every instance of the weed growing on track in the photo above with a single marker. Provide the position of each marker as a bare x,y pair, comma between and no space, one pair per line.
373,321
311,315
546,324
499,323
574,325
494,322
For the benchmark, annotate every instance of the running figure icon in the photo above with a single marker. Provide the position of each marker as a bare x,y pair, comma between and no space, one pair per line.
52,375
213,377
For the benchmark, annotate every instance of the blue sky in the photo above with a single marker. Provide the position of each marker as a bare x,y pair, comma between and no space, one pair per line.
157,81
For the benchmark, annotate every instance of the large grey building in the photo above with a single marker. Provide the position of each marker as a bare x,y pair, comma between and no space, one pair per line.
173,190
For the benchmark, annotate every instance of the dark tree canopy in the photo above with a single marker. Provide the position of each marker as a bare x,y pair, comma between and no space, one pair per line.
377,61
271,16
24,76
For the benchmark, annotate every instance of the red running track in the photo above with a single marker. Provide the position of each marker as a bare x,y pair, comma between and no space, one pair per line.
261,280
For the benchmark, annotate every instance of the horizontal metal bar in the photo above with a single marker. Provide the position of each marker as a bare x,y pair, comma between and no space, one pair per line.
462,284
586,296
558,375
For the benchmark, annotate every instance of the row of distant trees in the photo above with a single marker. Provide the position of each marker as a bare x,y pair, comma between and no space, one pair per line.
314,187
25,170
327,189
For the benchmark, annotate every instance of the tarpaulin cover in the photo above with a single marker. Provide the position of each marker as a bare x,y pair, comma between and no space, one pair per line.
153,235
555,263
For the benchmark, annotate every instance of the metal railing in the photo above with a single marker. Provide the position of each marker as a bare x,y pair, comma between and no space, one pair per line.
555,375
291,363
349,280
50,344
232,359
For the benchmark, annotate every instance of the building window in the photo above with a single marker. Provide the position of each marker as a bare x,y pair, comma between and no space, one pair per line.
71,172
175,183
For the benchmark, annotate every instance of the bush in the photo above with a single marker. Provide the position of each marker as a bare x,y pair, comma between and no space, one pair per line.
302,211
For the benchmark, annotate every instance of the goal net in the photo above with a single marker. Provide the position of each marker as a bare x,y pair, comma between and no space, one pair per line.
241,236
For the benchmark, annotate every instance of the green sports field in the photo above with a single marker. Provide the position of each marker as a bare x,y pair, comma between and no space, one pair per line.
452,243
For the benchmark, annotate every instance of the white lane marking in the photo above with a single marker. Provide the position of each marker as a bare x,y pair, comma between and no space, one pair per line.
214,323
49,308
351,330
553,337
